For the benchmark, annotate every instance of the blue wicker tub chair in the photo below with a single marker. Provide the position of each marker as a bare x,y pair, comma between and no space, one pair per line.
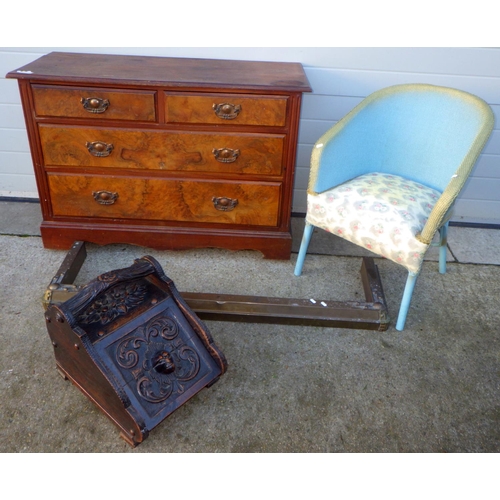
386,176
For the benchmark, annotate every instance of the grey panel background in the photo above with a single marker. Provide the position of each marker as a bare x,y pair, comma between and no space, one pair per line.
340,78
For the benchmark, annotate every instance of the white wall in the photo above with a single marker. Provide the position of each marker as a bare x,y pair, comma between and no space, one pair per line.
340,78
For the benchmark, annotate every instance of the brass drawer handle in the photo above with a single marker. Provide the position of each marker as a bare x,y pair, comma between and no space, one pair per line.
226,155
99,148
94,104
105,197
224,204
227,111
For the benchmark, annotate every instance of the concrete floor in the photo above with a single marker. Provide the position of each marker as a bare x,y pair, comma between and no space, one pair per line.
435,387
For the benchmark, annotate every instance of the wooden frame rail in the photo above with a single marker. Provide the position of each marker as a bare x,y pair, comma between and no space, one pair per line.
370,314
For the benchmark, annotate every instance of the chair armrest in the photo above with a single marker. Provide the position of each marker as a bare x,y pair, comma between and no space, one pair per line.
442,209
338,155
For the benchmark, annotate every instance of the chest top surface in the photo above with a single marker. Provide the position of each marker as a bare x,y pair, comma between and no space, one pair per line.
164,71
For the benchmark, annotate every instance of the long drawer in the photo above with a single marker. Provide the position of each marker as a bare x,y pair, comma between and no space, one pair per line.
162,150
225,109
94,103
153,198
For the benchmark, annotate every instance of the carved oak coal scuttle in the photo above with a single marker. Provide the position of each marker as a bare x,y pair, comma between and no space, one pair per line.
132,345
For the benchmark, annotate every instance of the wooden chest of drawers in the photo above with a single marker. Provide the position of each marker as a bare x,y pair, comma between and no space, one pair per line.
163,152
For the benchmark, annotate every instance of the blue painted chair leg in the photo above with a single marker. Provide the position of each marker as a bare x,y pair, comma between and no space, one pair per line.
405,301
306,238
443,233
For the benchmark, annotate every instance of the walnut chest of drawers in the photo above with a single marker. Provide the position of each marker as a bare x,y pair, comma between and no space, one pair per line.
168,153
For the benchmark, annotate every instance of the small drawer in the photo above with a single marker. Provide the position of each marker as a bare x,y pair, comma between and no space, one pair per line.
226,109
256,154
198,201
94,103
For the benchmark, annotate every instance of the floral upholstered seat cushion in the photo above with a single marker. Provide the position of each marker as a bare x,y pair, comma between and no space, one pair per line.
380,212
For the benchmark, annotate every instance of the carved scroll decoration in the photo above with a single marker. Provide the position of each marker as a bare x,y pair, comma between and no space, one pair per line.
117,301
159,359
